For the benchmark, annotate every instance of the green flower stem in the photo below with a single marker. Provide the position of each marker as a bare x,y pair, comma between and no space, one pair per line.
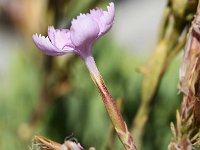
111,107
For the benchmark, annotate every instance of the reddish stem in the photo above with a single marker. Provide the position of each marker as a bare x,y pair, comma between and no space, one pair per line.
111,107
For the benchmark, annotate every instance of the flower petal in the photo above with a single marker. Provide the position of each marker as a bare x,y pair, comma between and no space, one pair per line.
60,38
84,31
96,14
44,44
110,14
108,17
103,18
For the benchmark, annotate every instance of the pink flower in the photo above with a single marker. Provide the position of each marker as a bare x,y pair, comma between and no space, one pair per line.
79,39
71,145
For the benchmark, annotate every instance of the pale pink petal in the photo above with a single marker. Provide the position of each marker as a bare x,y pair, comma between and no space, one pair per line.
110,14
107,19
60,38
71,145
103,18
44,44
84,31
96,14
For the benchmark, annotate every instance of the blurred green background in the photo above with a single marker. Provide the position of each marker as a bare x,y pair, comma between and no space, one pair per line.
55,96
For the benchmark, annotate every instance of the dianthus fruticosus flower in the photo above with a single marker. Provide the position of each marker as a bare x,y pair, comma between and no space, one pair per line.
84,31
79,39
44,143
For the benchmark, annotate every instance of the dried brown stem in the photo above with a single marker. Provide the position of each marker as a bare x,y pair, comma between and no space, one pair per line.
169,44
